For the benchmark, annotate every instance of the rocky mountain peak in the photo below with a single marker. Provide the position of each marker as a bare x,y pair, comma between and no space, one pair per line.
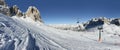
4,9
96,22
33,13
2,2
116,21
15,11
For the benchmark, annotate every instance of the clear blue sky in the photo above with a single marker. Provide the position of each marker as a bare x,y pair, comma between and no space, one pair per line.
66,11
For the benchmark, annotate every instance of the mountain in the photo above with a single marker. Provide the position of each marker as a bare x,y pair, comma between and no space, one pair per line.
2,2
4,8
94,23
15,11
32,12
116,21
26,31
18,34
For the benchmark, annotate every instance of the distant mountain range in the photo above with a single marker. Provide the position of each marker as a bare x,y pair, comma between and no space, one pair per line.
95,22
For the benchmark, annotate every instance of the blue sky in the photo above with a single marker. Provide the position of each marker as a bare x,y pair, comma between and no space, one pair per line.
67,11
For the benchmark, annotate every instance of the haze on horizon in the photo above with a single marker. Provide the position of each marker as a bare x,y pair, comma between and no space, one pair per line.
67,11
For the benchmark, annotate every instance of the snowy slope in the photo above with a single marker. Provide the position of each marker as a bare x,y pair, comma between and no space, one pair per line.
19,34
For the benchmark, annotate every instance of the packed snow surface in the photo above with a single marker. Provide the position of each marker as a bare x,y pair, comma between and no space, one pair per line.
18,34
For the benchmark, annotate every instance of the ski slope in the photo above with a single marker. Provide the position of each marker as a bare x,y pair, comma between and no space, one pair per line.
25,34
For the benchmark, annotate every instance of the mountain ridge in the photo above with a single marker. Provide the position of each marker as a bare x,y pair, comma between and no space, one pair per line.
32,11
19,31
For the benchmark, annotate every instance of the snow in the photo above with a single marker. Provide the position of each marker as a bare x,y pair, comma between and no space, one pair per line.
23,34
73,27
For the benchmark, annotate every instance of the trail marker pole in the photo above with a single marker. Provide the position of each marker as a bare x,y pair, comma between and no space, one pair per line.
100,31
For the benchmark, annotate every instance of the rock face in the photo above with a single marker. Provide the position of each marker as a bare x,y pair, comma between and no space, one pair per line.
14,11
19,13
96,22
116,21
33,13
2,2
4,9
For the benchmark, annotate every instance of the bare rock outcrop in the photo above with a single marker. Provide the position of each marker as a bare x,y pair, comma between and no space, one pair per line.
96,22
116,21
19,13
14,11
4,9
33,13
2,2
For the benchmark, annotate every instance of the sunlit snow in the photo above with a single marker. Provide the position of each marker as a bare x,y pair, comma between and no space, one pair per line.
16,34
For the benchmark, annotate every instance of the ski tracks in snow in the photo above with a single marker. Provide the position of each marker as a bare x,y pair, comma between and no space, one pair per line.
45,39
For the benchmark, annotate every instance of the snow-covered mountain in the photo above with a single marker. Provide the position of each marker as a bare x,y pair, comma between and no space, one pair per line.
116,21
18,34
26,31
94,23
